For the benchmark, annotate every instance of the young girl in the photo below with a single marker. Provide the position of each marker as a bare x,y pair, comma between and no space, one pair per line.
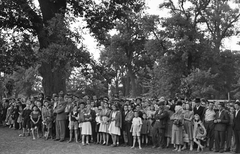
73,123
136,129
26,119
47,119
104,125
86,125
19,120
199,132
98,121
35,118
115,125
145,129
169,126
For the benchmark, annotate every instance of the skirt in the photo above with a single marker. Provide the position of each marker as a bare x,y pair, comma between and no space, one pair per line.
113,129
177,135
103,128
86,128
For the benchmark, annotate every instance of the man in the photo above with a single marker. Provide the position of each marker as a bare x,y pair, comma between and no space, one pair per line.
159,126
221,121
236,126
127,124
209,117
198,109
60,120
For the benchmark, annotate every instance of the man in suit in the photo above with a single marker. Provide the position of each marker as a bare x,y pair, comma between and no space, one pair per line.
221,121
236,126
198,109
159,126
60,120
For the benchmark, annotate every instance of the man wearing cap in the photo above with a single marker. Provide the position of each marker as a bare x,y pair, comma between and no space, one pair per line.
236,126
221,121
159,126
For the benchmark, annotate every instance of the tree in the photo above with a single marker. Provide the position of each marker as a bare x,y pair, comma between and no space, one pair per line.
48,22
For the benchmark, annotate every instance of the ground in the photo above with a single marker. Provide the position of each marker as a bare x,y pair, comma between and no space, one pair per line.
10,143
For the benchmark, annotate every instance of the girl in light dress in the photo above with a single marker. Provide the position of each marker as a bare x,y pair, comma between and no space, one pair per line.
47,119
136,129
199,132
86,125
104,125
115,125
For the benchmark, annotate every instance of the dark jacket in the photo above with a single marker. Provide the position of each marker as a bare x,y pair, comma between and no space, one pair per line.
60,110
162,117
236,121
200,111
222,125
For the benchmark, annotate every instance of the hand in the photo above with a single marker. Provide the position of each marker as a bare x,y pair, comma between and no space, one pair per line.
215,121
218,120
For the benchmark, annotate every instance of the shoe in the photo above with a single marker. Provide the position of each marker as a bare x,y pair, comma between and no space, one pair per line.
221,151
62,140
132,147
69,141
227,150
140,147
56,139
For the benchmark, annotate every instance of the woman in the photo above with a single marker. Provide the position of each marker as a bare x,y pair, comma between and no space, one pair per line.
188,126
177,128
115,125
86,125
199,132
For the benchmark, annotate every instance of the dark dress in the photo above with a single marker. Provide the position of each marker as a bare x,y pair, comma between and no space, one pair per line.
35,118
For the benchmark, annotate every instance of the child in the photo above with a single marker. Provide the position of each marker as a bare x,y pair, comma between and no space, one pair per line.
19,120
199,132
26,119
47,120
35,118
73,123
86,125
145,129
98,121
9,116
136,129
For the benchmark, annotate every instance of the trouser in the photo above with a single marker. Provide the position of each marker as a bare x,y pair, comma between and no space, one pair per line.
156,133
219,140
129,134
209,125
94,134
229,137
60,129
237,140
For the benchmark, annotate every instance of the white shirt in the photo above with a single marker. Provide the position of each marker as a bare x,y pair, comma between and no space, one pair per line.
209,115
236,113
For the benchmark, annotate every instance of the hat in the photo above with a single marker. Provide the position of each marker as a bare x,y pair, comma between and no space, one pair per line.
161,103
197,100
238,103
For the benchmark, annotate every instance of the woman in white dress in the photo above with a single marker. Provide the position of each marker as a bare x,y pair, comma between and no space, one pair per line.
115,125
86,125
104,125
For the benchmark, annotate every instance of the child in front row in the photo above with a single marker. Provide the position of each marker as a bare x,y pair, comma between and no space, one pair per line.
145,129
35,121
73,123
136,129
26,120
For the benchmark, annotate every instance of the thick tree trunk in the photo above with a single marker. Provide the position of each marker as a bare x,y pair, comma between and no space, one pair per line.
54,77
132,80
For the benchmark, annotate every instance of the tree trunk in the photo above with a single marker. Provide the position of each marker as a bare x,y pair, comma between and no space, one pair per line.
132,80
54,77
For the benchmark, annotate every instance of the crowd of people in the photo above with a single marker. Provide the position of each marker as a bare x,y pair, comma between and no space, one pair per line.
179,124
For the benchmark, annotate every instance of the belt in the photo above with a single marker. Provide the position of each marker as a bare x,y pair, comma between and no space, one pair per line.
209,121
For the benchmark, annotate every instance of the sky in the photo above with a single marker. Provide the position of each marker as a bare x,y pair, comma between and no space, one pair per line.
91,43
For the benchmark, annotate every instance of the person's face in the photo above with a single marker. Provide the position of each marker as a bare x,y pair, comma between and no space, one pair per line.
231,109
220,107
81,106
161,106
55,98
237,107
114,107
125,108
94,98
46,103
138,108
144,116
197,104
187,106
39,104
89,106
69,100
138,101
210,106
35,108
75,108
129,108
196,117
105,105
135,114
